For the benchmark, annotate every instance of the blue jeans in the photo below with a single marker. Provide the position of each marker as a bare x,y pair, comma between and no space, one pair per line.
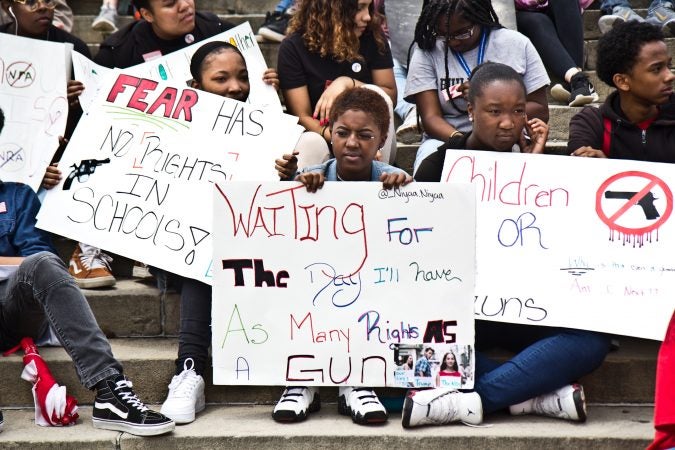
426,148
547,359
607,5
402,107
41,293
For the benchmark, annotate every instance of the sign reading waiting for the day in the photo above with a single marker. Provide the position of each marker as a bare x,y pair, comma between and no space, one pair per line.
138,169
350,285
33,101
572,242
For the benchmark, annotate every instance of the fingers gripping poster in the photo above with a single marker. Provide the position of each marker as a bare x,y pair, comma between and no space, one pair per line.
572,242
136,172
33,101
351,285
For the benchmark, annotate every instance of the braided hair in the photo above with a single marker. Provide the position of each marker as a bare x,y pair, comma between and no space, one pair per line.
478,12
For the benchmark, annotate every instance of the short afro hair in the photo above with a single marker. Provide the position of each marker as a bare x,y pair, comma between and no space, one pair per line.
362,99
618,50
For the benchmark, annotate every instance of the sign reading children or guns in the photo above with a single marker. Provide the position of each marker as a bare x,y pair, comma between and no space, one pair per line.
591,251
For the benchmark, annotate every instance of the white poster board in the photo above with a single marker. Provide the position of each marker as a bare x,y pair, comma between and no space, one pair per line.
343,286
138,167
33,99
572,242
175,67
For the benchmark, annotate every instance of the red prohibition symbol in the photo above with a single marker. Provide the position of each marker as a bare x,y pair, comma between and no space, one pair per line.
650,182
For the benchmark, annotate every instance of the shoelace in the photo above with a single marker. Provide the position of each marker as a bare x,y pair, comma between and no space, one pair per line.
366,396
94,258
183,384
289,392
124,386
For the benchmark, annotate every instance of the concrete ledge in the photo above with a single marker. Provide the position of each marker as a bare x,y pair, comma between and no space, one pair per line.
245,427
626,376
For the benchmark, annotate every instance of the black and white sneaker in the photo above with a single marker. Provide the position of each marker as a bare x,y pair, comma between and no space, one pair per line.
582,90
117,407
296,403
2,421
362,404
274,27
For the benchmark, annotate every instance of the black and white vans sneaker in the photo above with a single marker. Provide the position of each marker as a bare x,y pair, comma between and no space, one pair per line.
117,407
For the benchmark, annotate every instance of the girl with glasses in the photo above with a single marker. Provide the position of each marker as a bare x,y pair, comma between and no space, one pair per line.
452,37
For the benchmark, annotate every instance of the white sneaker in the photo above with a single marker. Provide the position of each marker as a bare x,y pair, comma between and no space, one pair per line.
440,406
362,404
106,21
409,132
567,403
296,403
186,395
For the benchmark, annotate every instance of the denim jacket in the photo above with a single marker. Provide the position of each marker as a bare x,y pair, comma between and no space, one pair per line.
329,170
19,206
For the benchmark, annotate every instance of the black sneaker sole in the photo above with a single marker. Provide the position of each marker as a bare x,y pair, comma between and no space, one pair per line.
287,416
372,417
134,428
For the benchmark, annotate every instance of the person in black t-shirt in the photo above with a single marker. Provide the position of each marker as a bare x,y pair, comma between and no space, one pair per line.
334,45
166,27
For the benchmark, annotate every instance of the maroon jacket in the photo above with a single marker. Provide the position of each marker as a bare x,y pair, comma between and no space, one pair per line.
607,129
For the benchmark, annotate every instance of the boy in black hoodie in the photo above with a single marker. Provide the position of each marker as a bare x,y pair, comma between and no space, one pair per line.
637,121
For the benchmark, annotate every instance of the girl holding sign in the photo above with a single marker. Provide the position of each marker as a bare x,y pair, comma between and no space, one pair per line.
359,120
219,68
451,38
540,378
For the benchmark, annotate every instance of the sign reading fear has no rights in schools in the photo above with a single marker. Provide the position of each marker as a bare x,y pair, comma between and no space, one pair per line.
137,171
573,242
344,286
33,100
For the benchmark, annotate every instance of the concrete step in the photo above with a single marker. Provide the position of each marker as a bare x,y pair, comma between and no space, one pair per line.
245,427
216,6
626,376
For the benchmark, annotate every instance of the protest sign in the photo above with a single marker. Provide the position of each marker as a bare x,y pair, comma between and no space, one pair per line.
344,286
175,67
138,167
33,99
572,242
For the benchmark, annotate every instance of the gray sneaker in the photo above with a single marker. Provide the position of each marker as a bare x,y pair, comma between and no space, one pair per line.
106,21
663,16
619,14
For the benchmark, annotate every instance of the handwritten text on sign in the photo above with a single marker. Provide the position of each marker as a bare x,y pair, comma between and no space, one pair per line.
33,99
572,242
341,286
138,170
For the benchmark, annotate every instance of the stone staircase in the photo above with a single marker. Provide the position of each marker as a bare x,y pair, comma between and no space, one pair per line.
142,325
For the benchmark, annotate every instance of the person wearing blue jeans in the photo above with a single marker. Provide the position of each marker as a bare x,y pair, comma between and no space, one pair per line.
37,293
660,13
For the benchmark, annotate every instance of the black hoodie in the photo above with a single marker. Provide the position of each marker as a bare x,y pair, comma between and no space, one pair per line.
592,126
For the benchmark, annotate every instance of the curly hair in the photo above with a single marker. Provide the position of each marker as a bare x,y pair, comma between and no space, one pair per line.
618,50
328,27
362,99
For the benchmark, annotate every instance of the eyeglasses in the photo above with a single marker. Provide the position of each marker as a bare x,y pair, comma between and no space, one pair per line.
363,136
32,5
462,35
